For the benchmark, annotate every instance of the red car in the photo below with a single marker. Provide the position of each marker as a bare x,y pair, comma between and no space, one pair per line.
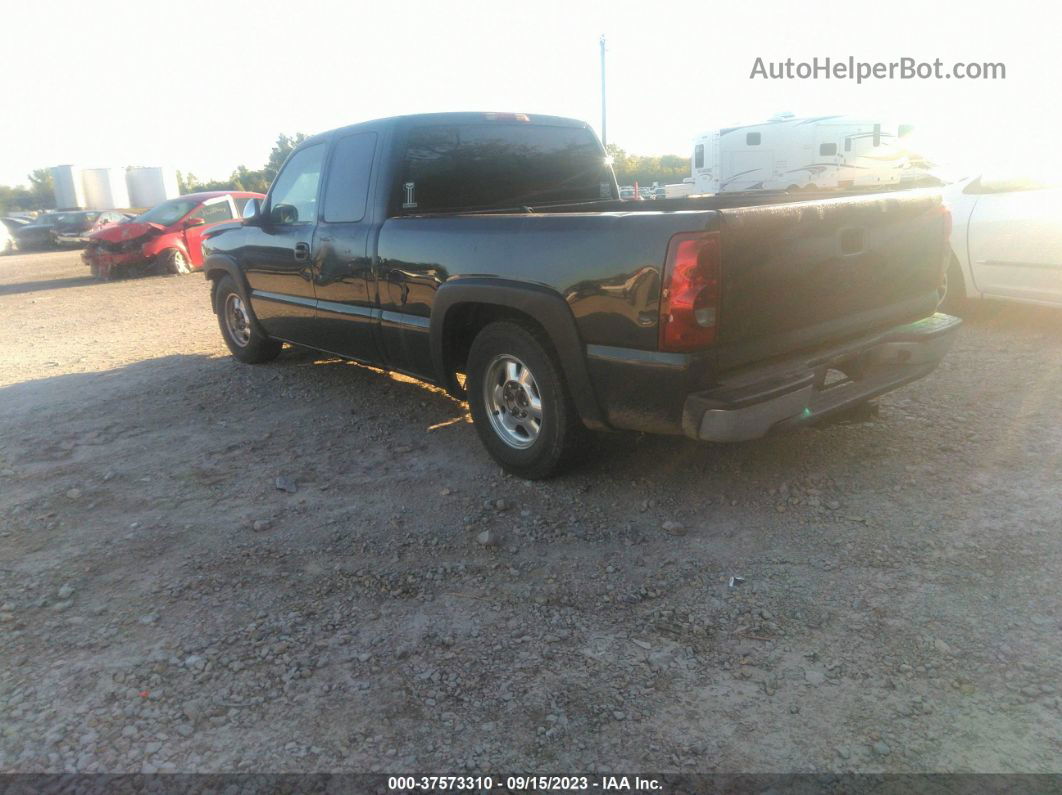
168,235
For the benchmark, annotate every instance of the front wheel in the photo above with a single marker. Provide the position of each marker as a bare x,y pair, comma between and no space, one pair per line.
239,329
173,260
520,404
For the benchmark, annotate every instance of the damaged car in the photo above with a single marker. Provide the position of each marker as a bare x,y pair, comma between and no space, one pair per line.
39,233
75,229
167,238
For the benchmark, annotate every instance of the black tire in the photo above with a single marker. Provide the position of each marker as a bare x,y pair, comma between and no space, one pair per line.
953,300
559,433
240,329
172,260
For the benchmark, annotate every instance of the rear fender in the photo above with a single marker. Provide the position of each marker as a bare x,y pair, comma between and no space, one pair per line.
543,305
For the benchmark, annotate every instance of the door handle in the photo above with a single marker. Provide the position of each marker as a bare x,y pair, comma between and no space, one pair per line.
302,251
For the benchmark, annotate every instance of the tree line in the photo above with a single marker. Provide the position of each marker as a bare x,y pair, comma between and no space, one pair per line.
647,169
40,194
243,178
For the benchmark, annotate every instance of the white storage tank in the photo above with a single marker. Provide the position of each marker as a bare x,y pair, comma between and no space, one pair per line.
151,185
105,188
69,188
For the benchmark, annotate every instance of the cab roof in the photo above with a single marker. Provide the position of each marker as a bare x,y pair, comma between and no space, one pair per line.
452,117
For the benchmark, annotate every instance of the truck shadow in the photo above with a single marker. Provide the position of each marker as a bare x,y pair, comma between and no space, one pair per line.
47,284
1004,315
182,394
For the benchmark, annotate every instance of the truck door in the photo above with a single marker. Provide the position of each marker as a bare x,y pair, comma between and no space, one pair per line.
212,211
347,316
1015,241
276,254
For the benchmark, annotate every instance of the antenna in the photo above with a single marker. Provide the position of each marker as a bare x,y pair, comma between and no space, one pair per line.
604,126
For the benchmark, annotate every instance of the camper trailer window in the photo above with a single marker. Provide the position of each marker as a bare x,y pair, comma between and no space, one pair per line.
827,150
698,156
752,139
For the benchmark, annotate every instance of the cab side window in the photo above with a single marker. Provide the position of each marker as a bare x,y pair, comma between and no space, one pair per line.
293,199
348,178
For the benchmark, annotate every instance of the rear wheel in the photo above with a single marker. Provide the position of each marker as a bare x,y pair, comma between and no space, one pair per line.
520,404
239,329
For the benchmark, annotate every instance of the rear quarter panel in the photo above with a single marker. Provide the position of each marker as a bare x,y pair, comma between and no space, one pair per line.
606,266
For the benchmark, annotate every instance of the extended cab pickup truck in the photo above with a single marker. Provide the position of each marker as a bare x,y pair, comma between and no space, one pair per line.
491,254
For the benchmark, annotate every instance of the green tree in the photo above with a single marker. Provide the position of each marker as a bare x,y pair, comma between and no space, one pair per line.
16,199
186,182
647,169
42,186
280,152
245,179
242,177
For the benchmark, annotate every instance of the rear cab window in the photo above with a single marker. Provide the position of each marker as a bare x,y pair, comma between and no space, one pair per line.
499,165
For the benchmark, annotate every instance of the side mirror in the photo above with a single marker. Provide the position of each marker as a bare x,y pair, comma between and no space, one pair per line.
251,210
283,214
197,221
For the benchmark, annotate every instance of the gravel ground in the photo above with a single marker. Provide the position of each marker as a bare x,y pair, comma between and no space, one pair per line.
405,607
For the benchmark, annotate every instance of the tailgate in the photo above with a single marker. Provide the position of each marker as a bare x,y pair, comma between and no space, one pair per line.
799,275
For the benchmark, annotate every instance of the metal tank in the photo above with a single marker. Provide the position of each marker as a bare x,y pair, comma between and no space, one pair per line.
105,188
151,185
69,187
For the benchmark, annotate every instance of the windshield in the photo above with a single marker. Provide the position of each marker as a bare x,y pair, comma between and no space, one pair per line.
76,220
169,213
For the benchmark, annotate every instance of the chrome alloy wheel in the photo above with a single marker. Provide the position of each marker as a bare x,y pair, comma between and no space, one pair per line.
513,401
175,262
236,320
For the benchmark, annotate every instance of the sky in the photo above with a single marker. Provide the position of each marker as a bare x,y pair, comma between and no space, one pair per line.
206,87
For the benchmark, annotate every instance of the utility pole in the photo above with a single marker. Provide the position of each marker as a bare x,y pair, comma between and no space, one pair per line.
604,127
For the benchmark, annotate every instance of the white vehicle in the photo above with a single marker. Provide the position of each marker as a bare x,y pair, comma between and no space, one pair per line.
789,152
679,189
1006,241
7,240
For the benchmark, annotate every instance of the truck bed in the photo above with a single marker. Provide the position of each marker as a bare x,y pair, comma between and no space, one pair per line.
796,274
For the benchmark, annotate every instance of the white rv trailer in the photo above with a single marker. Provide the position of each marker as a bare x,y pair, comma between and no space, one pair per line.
789,152
679,189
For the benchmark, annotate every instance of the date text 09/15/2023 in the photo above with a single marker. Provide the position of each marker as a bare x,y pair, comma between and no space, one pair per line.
522,783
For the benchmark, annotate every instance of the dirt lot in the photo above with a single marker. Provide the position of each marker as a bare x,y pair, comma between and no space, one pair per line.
163,606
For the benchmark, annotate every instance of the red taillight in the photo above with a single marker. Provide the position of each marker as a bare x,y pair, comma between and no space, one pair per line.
945,258
689,299
947,221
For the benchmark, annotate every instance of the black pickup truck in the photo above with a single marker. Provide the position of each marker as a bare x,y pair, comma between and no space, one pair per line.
491,254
